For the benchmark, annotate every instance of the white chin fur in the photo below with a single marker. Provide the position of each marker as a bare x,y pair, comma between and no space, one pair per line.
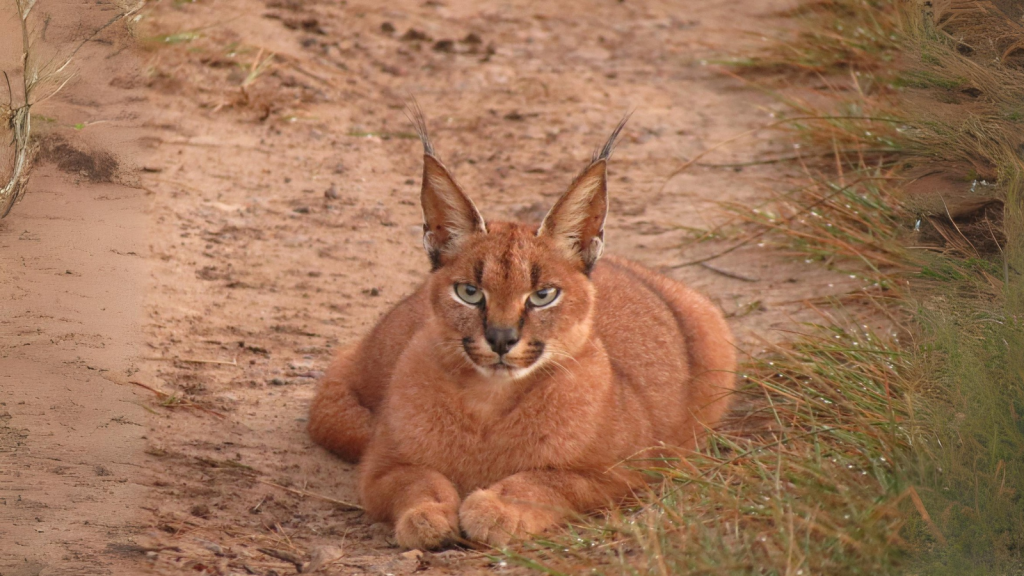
505,372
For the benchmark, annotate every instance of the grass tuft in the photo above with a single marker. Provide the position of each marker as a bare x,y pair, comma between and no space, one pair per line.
800,482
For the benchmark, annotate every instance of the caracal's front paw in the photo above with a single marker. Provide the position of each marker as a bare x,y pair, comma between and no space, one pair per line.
427,526
487,518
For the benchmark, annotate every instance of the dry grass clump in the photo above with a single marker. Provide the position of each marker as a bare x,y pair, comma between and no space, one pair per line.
948,222
931,144
855,226
17,119
950,225
222,72
39,77
834,35
801,483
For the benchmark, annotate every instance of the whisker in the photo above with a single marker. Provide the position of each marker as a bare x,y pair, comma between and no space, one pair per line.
559,365
560,352
452,349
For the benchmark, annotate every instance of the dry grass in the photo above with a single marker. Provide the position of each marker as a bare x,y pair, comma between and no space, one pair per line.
37,80
835,35
803,484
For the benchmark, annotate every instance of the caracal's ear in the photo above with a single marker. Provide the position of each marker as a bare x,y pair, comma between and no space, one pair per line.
449,216
576,221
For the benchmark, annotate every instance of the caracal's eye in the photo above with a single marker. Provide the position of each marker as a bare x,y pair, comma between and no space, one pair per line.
469,294
543,297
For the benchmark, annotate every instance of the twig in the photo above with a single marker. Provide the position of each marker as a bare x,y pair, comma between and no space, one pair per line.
213,463
10,91
296,491
778,159
757,235
686,165
289,557
255,509
728,274
916,499
20,123
184,401
958,231
191,360
19,118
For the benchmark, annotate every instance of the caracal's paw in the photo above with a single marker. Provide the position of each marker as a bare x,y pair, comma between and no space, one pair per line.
428,526
487,518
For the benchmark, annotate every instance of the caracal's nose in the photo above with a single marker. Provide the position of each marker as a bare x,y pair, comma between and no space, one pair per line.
501,339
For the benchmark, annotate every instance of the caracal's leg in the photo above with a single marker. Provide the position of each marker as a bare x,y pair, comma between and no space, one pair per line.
533,501
422,503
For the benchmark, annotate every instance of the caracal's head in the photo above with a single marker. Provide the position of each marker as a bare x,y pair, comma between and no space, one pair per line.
512,298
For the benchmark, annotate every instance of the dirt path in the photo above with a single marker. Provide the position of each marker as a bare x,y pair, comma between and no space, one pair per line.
283,220
72,278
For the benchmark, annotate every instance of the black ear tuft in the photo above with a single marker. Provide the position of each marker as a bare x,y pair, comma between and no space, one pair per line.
605,152
449,216
576,221
415,115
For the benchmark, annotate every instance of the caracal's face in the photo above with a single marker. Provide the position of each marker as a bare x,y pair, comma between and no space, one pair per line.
512,299
510,304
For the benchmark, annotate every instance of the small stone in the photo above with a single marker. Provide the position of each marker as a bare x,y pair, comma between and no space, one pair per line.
412,554
382,531
414,35
444,46
200,511
472,38
278,382
212,547
301,210
331,192
387,28
322,556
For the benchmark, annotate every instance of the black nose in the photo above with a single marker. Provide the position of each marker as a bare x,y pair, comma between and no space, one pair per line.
501,339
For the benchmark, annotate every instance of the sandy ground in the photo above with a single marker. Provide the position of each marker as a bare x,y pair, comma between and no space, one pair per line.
161,336
72,280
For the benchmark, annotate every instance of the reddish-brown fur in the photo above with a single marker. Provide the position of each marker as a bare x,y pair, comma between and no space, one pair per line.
450,440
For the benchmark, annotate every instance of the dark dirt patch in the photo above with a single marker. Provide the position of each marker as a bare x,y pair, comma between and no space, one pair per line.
95,165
